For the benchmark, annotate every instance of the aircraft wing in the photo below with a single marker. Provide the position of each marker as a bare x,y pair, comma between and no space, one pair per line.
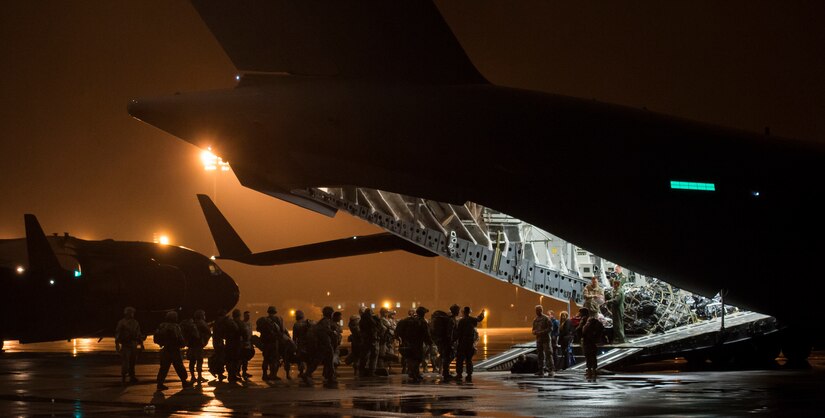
231,246
344,247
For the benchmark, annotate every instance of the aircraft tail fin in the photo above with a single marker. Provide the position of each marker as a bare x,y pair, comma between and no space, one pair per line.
42,258
228,241
390,40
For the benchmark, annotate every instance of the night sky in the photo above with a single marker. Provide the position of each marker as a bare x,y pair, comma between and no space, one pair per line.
75,158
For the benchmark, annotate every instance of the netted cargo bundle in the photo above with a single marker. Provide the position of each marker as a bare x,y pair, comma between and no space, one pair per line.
655,307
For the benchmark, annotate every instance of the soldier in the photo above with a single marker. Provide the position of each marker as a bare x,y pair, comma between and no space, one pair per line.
281,329
323,334
128,340
554,338
234,337
339,338
385,342
592,335
542,327
217,361
354,338
370,338
410,316
300,334
465,338
416,333
247,352
444,328
270,333
170,338
195,351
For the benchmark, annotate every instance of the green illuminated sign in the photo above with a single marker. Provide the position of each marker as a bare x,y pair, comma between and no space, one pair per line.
689,185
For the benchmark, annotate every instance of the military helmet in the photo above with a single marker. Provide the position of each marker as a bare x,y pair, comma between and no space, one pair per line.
420,311
271,310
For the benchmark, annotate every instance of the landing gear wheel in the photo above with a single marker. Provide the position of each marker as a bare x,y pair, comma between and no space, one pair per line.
796,346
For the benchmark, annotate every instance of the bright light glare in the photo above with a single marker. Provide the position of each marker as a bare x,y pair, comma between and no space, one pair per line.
387,305
212,162
163,240
51,282
20,270
292,312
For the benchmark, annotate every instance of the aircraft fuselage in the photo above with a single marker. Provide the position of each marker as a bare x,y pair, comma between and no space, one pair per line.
102,278
546,159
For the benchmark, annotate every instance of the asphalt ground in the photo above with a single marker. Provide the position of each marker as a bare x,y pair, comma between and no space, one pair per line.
55,380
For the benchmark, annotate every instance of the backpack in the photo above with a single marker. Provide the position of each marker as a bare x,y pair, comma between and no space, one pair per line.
593,331
266,328
402,330
440,322
190,333
164,335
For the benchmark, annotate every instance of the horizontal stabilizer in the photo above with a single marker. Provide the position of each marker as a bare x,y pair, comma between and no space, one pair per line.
42,259
228,241
390,40
345,247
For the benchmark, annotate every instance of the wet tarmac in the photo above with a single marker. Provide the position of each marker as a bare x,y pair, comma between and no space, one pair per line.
58,379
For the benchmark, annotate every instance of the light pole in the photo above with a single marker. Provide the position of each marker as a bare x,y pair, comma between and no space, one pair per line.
212,162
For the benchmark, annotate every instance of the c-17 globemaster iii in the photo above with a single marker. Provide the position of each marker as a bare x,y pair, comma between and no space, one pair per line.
379,95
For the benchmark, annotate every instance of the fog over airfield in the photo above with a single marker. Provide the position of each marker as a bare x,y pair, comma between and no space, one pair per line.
74,157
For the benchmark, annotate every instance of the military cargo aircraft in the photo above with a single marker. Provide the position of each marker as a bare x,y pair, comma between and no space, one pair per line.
62,287
380,94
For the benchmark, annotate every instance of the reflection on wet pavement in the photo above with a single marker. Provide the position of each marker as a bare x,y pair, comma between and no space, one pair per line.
87,384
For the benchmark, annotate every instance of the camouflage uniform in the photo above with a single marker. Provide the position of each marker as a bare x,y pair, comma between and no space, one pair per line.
128,338
170,338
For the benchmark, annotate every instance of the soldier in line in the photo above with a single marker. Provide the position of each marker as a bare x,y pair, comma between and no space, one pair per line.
234,337
282,332
554,337
465,338
339,335
444,327
542,327
592,335
217,361
415,333
195,347
385,344
410,315
300,334
354,338
247,351
170,338
370,338
269,332
128,339
323,335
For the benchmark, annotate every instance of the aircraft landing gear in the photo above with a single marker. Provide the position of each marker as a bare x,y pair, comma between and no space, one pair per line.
796,345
